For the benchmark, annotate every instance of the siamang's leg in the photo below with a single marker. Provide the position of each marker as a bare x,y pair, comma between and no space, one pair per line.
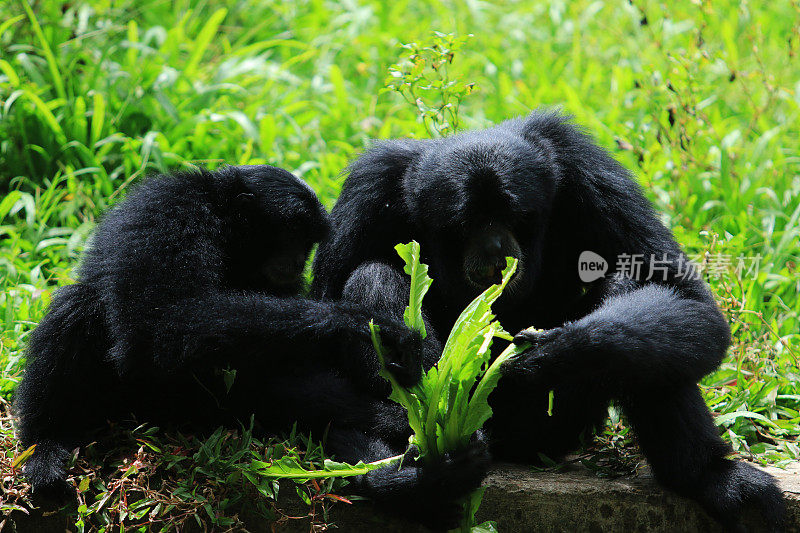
383,290
682,444
64,361
648,347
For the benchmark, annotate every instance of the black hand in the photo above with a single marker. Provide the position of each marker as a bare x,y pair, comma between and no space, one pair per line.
537,361
403,350
444,483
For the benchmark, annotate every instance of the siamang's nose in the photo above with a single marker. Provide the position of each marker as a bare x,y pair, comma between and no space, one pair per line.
494,246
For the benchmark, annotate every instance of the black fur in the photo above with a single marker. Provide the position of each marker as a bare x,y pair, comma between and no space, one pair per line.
541,190
195,272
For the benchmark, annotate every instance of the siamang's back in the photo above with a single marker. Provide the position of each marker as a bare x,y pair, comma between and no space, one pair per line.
167,229
162,206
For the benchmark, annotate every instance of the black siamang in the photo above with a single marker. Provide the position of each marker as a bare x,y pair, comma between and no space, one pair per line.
539,189
199,271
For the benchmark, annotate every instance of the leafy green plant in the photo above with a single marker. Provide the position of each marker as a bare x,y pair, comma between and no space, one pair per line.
422,78
450,403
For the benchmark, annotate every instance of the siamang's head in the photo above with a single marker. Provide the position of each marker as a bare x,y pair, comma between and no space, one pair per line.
277,219
478,198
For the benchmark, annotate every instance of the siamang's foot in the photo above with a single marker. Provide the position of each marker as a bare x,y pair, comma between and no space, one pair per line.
732,486
403,349
48,479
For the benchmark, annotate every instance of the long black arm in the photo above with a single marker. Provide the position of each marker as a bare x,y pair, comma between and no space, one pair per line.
233,325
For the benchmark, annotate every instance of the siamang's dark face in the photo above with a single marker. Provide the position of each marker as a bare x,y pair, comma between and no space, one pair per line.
280,220
282,270
477,200
485,254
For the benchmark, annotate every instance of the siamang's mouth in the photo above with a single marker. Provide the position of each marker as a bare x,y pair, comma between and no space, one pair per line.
483,276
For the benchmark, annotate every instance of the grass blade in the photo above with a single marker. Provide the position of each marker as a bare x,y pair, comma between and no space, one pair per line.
52,64
203,40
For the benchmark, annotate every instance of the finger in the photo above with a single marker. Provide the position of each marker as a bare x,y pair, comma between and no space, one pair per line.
524,336
527,335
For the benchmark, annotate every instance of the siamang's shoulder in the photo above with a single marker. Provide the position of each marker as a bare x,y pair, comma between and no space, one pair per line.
582,161
606,195
183,194
156,215
165,191
376,177
387,156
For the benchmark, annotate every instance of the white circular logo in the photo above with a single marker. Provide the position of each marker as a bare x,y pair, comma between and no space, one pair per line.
591,266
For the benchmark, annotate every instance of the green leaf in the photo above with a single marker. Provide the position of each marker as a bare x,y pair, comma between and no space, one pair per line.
52,64
443,411
729,417
303,495
10,22
420,283
228,376
46,115
487,527
290,468
464,346
471,506
8,202
203,40
98,116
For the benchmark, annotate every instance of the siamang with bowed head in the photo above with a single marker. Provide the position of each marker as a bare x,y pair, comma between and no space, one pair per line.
198,272
540,190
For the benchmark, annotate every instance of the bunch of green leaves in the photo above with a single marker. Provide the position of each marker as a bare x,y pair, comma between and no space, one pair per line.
450,403
421,77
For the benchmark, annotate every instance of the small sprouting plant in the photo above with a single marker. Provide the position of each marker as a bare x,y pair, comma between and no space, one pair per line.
450,403
422,78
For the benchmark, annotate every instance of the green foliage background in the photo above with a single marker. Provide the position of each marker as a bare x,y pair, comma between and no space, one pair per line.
701,100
